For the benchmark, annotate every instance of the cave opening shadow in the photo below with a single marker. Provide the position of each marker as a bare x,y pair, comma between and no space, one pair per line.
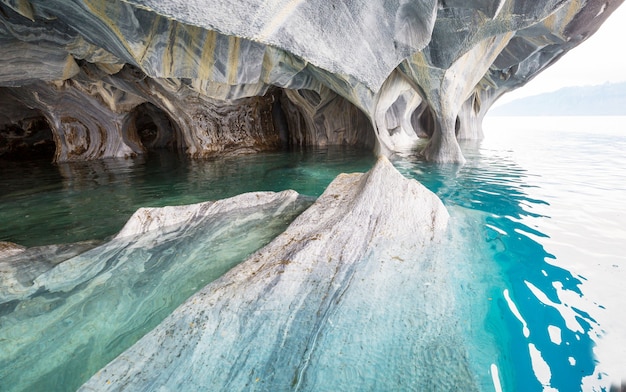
30,138
150,130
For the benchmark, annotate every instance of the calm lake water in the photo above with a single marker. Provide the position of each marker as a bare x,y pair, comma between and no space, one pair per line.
44,204
540,199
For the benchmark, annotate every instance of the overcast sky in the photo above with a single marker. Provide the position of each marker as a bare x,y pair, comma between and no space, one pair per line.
600,59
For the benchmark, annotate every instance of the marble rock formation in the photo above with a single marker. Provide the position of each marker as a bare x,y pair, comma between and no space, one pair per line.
8,249
87,79
20,266
352,296
67,310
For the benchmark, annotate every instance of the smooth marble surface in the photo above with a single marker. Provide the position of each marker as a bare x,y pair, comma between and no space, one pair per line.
352,296
64,317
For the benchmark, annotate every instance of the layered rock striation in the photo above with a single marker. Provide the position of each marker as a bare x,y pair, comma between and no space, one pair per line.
88,79
67,310
352,296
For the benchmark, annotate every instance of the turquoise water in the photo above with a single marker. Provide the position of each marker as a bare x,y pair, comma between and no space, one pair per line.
42,204
539,217
575,185
552,190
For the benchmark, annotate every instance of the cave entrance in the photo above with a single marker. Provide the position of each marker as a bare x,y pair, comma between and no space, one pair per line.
423,121
309,118
153,128
28,139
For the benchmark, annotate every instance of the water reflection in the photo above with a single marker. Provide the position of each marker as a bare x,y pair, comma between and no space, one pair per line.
41,203
545,342
81,176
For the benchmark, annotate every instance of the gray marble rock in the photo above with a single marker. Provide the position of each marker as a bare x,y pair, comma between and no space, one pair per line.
392,60
8,249
18,270
66,311
352,296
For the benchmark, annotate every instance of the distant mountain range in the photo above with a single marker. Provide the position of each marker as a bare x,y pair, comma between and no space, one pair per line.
602,100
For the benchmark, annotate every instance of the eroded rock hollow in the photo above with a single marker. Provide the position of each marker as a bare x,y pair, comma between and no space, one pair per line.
89,79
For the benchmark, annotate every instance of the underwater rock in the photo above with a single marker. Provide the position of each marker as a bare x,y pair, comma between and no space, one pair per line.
387,59
350,296
18,270
65,315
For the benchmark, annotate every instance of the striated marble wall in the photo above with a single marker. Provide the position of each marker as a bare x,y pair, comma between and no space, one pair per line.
221,77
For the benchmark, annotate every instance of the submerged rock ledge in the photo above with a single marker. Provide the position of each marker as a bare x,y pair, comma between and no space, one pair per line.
89,79
67,310
350,297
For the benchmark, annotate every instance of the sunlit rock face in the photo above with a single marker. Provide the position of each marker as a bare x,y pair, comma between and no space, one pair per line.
219,77
352,296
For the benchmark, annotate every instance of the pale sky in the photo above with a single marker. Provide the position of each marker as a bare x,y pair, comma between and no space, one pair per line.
600,59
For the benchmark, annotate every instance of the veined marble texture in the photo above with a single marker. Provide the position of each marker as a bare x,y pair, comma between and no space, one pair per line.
64,315
413,69
19,269
352,296
119,78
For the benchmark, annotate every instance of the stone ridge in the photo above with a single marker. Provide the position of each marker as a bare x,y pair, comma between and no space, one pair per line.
90,79
285,318
148,219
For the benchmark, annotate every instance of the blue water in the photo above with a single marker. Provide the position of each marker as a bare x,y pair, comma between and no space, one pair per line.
553,191
541,201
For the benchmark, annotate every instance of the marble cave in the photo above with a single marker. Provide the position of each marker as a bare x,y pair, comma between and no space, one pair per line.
89,80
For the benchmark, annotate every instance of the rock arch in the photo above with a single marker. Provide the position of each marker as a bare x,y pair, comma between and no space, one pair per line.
219,68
